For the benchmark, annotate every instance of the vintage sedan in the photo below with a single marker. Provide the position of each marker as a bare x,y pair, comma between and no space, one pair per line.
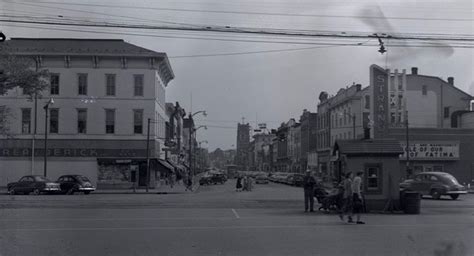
261,180
75,183
213,178
34,184
435,184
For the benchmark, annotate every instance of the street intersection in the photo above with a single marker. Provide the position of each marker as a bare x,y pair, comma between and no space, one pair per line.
216,220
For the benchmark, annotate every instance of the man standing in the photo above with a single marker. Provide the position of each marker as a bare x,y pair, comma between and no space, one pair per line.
358,204
308,184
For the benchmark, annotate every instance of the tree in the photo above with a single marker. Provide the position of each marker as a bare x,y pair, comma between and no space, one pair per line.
19,72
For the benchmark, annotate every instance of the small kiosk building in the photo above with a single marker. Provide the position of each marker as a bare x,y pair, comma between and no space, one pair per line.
379,160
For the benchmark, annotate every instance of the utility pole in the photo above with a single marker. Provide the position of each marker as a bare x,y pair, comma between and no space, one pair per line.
148,155
354,126
407,149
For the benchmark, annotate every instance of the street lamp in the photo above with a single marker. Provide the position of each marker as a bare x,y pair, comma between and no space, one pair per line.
191,131
46,108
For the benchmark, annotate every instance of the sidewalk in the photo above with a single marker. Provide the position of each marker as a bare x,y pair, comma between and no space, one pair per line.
178,188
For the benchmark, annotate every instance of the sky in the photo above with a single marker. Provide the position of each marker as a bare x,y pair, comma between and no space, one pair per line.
269,87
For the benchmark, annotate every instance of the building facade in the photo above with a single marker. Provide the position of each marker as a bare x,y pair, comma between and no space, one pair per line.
243,141
104,92
309,129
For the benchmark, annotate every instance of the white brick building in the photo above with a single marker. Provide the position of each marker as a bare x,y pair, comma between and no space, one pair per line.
104,91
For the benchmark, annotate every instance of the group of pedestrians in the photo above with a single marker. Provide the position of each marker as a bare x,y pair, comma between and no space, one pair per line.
244,183
351,204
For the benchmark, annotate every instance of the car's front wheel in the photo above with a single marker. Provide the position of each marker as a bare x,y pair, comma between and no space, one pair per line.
435,194
70,191
12,192
36,191
454,197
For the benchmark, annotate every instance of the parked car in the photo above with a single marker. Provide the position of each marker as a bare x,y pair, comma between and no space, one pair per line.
261,180
34,184
435,184
70,184
208,179
298,180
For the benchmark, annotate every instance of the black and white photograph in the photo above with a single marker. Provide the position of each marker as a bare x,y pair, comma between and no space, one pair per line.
237,127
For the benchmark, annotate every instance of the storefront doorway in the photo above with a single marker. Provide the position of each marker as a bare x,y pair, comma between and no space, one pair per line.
142,175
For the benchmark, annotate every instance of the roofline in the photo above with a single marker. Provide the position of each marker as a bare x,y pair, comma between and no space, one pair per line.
446,83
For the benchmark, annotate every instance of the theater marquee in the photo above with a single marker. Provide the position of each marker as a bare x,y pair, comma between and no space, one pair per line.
432,151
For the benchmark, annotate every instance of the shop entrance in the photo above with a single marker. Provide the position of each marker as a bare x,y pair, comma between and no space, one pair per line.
142,175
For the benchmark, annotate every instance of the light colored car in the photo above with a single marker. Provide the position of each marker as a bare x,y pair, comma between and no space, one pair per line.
261,180
435,184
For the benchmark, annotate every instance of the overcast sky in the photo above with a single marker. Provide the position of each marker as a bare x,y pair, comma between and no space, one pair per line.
266,87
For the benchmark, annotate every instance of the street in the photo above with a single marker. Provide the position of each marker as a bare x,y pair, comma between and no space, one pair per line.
216,220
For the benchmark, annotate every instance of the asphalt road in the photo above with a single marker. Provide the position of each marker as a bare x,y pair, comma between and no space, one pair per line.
216,220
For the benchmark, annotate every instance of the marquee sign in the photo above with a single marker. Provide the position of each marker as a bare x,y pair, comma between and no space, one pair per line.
379,83
432,151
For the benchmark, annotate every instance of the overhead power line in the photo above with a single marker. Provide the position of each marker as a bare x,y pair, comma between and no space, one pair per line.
421,45
243,30
247,12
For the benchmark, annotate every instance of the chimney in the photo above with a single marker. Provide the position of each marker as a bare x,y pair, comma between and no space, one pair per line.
358,87
414,71
451,80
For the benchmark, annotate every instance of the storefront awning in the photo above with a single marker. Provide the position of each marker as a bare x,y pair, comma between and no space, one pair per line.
166,165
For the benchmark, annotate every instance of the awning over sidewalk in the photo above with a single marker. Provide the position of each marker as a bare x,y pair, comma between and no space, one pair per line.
166,165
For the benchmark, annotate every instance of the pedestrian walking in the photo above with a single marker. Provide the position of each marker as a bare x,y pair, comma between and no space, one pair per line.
347,198
245,183
238,185
308,185
358,204
250,181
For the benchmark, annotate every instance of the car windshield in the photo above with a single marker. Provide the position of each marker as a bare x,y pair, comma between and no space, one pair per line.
82,178
448,178
43,179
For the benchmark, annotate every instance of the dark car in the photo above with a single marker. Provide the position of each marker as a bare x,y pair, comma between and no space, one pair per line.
298,180
34,184
212,179
70,184
261,180
435,184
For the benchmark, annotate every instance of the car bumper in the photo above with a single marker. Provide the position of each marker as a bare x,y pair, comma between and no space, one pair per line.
51,189
86,189
456,192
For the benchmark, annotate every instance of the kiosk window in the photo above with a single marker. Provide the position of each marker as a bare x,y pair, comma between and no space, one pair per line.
373,178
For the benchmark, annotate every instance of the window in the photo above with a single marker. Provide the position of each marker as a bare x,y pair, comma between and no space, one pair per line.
54,84
138,121
424,90
367,101
53,120
446,112
373,178
110,121
138,85
82,121
433,178
26,120
82,84
110,84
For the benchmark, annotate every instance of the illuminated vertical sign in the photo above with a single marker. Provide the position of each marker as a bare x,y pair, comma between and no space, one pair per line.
380,107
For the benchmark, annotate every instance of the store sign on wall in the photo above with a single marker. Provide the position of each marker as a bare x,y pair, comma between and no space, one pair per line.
379,83
432,151
73,152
